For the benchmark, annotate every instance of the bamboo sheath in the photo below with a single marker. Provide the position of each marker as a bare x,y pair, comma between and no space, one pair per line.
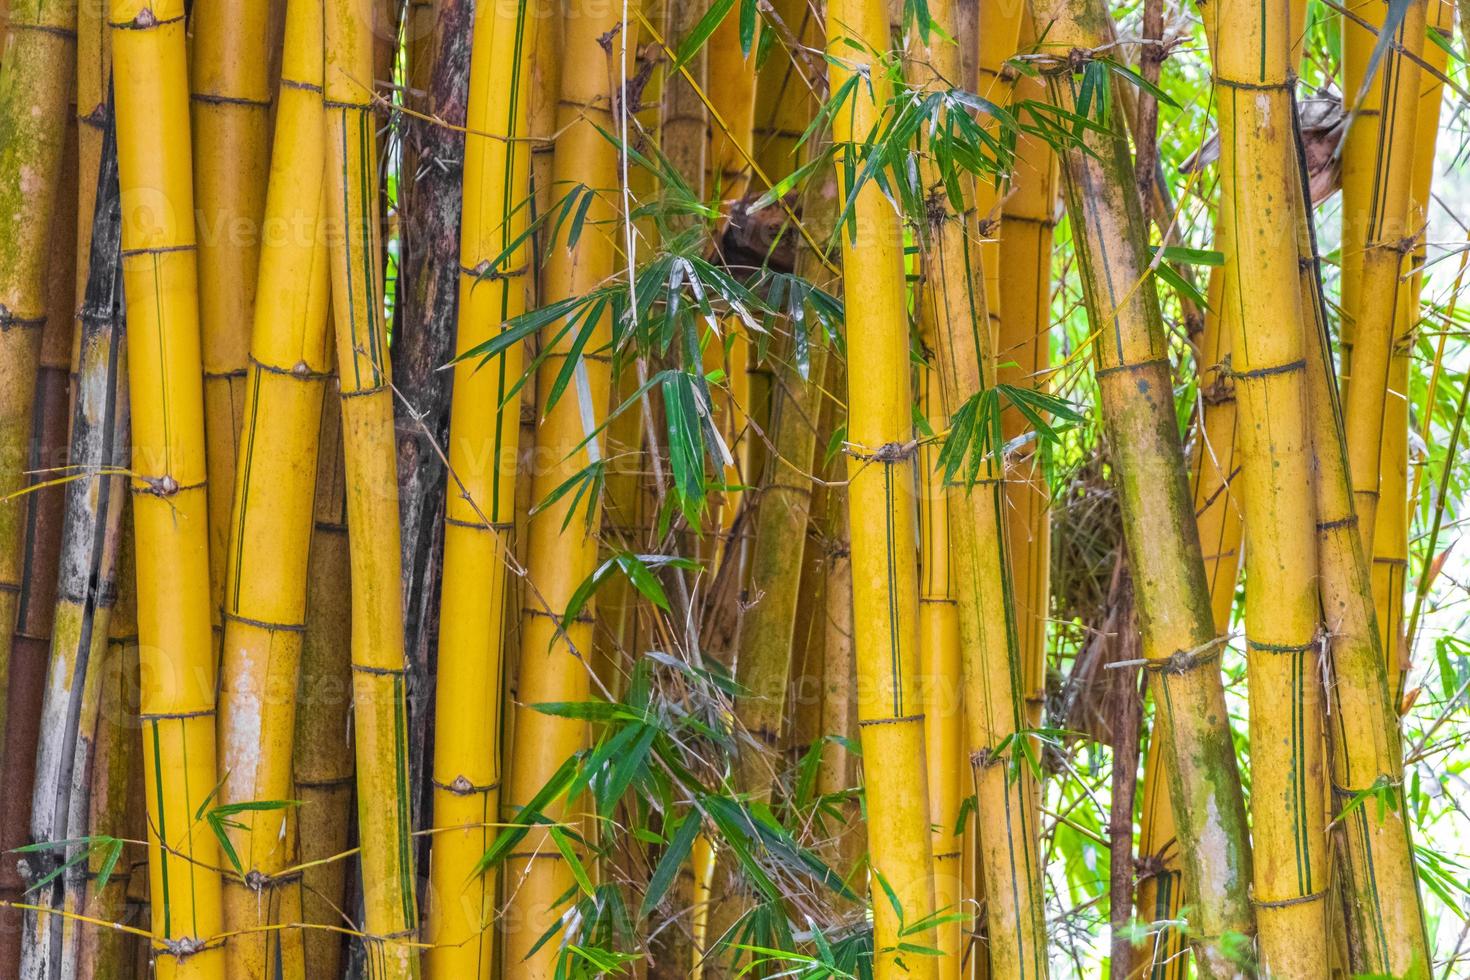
553,665
1371,281
86,590
1261,288
1385,918
881,474
230,103
1391,526
35,91
993,677
1179,637
484,434
270,528
322,764
379,668
176,653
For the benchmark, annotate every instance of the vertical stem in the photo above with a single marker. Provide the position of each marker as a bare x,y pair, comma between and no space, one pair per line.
881,472
170,512
1282,618
1136,396
322,765
230,99
554,658
270,528
484,434
379,666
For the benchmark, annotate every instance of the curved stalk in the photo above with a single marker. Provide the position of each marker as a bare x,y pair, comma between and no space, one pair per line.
176,649
484,434
553,665
1136,397
269,531
379,677
881,473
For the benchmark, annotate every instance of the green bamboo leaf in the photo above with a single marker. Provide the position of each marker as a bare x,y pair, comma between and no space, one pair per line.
669,865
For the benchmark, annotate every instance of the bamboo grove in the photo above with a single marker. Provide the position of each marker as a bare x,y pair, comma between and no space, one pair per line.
937,489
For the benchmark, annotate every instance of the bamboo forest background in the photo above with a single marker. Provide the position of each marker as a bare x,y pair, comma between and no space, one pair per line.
493,536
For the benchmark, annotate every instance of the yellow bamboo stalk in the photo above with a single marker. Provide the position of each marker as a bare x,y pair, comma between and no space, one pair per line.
954,301
1391,527
35,90
484,434
881,473
1371,282
552,668
1135,389
323,756
939,670
1028,216
176,651
1261,291
379,667
230,93
270,529
733,99
999,33
1385,921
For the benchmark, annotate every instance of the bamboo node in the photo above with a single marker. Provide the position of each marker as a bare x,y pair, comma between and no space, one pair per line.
184,947
1183,661
889,452
1285,903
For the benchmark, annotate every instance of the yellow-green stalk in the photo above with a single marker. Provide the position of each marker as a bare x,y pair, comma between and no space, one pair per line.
954,302
484,435
1261,292
270,527
1386,934
1136,397
881,454
1377,185
1391,527
230,93
379,668
553,665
